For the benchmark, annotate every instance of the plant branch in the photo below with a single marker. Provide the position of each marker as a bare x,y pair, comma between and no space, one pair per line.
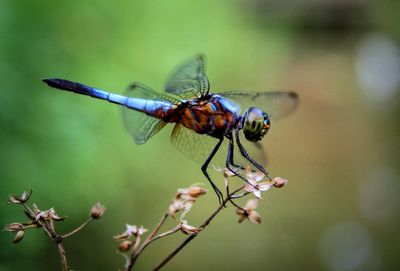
63,257
49,230
203,225
148,241
157,228
77,229
151,239
130,261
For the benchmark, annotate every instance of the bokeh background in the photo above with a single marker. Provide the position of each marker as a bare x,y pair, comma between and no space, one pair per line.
340,150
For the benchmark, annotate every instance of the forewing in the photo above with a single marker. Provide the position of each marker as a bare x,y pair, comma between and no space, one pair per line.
189,79
277,104
139,125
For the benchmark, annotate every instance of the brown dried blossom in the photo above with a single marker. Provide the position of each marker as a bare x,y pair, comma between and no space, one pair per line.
185,198
192,192
13,227
20,199
175,206
125,245
131,230
188,229
248,212
97,211
47,215
254,185
279,182
18,236
226,173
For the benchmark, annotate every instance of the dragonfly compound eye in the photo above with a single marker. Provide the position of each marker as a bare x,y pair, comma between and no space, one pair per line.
256,124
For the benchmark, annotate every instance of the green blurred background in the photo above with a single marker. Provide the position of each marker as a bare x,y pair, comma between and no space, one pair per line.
340,150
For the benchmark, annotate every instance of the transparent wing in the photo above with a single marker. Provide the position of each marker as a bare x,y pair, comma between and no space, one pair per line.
189,79
198,147
139,125
277,104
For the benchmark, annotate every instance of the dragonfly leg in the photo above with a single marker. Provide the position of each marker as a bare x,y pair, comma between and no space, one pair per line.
246,155
204,169
229,161
230,154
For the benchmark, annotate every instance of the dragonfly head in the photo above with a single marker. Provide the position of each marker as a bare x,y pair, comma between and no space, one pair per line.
256,124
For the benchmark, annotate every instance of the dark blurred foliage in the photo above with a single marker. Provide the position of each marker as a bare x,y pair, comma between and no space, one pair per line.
339,150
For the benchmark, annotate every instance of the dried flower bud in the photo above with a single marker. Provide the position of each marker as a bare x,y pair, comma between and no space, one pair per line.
188,204
192,192
226,181
124,245
249,213
18,236
131,230
54,216
13,227
226,173
254,184
97,211
196,191
242,214
279,182
47,215
255,217
255,176
187,229
14,199
257,188
22,199
175,206
141,230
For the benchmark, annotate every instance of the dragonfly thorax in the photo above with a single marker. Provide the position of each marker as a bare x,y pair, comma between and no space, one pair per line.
214,116
256,124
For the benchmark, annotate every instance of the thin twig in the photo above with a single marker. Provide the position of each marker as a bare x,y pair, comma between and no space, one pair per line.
156,229
148,241
130,262
77,229
191,237
240,195
235,204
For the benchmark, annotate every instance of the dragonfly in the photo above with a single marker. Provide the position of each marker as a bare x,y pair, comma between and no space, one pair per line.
188,103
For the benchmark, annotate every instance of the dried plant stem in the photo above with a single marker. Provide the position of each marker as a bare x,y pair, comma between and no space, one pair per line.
191,237
77,229
63,257
152,237
161,235
205,223
49,230
130,261
147,242
157,228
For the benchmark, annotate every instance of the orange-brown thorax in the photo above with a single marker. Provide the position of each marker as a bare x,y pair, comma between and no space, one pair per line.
213,115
